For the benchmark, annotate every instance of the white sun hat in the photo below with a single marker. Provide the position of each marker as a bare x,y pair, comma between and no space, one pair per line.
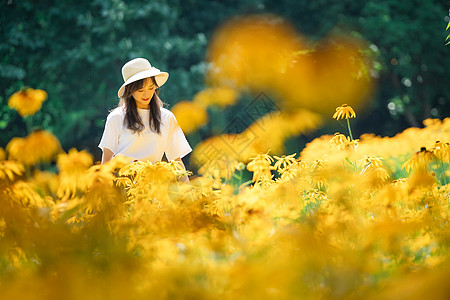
140,68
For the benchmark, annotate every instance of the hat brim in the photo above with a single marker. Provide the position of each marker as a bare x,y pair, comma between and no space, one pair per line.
160,77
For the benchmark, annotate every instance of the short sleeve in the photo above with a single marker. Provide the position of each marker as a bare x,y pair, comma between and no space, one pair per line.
110,135
177,145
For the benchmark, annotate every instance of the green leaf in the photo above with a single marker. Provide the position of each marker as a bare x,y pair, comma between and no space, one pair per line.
236,176
244,184
348,160
448,25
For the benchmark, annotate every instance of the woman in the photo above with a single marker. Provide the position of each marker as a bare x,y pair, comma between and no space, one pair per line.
140,128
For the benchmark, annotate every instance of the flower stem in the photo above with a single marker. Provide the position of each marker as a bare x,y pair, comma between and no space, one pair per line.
443,172
351,137
240,178
349,129
28,123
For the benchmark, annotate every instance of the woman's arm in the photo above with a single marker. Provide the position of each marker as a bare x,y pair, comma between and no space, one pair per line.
185,178
107,155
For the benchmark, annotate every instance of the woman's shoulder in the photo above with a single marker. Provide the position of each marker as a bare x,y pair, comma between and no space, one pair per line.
165,113
116,113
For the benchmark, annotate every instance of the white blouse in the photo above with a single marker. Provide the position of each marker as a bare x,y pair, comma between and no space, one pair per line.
147,144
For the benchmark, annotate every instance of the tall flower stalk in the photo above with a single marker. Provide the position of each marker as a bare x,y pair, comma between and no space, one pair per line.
345,111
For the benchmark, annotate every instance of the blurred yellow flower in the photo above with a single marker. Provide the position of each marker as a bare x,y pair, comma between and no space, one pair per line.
241,56
74,162
265,53
16,148
216,152
142,173
28,101
284,162
340,141
220,96
157,173
39,146
73,172
381,174
271,131
47,181
9,169
441,151
344,111
419,160
261,166
25,195
190,115
400,181
219,168
318,164
431,122
372,161
2,154
294,170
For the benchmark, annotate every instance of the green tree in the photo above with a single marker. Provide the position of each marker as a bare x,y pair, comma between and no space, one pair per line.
75,50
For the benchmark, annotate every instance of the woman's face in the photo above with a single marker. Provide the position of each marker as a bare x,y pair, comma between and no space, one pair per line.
145,94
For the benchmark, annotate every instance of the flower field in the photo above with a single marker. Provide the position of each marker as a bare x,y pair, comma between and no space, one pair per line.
342,219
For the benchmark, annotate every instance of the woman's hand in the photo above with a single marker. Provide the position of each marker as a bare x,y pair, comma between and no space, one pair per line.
185,178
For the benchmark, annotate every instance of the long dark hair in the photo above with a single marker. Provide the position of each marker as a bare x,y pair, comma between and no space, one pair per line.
132,119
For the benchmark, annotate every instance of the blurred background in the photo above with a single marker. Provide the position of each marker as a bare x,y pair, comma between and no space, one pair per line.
75,50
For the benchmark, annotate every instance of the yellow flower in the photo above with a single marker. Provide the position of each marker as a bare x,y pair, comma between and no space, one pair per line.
145,172
319,182
39,146
221,96
371,162
329,72
219,168
431,122
261,166
74,162
317,195
48,182
24,194
294,170
419,160
190,115
27,102
2,154
381,173
441,150
273,129
10,168
318,164
400,181
157,173
217,151
344,111
17,148
284,162
115,164
340,141
74,176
